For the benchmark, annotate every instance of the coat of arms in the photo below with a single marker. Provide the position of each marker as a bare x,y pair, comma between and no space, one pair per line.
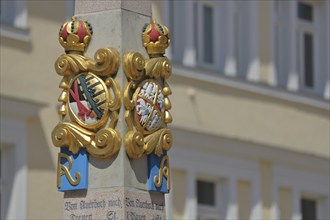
147,105
90,101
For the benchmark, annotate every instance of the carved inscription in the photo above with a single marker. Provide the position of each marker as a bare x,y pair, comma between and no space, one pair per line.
142,204
113,206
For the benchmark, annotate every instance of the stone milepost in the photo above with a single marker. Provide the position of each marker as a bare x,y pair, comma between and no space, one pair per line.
113,204
114,110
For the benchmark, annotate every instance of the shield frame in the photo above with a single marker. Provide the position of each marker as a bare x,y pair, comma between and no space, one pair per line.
105,115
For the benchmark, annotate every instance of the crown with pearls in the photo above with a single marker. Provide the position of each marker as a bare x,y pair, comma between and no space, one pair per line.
156,38
75,35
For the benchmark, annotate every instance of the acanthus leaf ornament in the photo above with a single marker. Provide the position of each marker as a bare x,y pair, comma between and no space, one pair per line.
90,97
147,104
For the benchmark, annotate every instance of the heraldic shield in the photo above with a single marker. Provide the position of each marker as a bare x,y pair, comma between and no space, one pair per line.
89,104
147,106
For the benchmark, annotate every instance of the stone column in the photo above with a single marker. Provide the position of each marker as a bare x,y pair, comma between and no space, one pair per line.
253,72
293,78
189,57
232,210
256,212
326,92
296,213
190,211
117,186
231,57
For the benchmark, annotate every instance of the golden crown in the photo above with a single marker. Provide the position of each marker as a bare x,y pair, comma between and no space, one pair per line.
75,35
156,38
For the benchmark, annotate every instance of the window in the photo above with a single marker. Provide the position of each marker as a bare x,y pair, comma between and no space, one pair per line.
308,60
306,48
13,147
13,19
208,34
205,193
207,199
308,209
7,180
301,45
305,11
205,33
302,194
13,13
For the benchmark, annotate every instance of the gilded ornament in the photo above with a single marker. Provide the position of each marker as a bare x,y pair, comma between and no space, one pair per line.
146,95
90,98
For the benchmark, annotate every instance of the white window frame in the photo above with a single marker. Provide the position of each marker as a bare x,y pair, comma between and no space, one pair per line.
304,184
17,28
211,211
13,118
188,150
200,37
301,32
13,135
307,27
289,59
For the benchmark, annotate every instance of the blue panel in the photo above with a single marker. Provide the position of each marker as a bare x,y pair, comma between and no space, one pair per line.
156,169
77,167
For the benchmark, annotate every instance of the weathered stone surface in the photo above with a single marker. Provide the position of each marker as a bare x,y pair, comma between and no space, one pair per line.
117,186
122,30
138,6
114,203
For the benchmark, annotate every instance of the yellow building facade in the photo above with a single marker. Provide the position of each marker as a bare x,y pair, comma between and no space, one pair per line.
250,108
29,48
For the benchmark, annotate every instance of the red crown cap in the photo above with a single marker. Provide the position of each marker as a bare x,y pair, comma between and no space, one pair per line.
156,38
75,35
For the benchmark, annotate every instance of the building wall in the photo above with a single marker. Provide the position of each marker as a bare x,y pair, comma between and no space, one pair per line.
210,107
28,76
250,129
244,199
265,147
179,178
285,204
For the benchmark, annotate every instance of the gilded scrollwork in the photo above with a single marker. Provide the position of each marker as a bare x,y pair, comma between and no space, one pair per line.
104,143
106,62
158,141
90,98
71,135
68,64
134,65
146,95
158,67
134,144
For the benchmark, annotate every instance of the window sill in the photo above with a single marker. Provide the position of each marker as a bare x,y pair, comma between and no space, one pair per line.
15,33
213,77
